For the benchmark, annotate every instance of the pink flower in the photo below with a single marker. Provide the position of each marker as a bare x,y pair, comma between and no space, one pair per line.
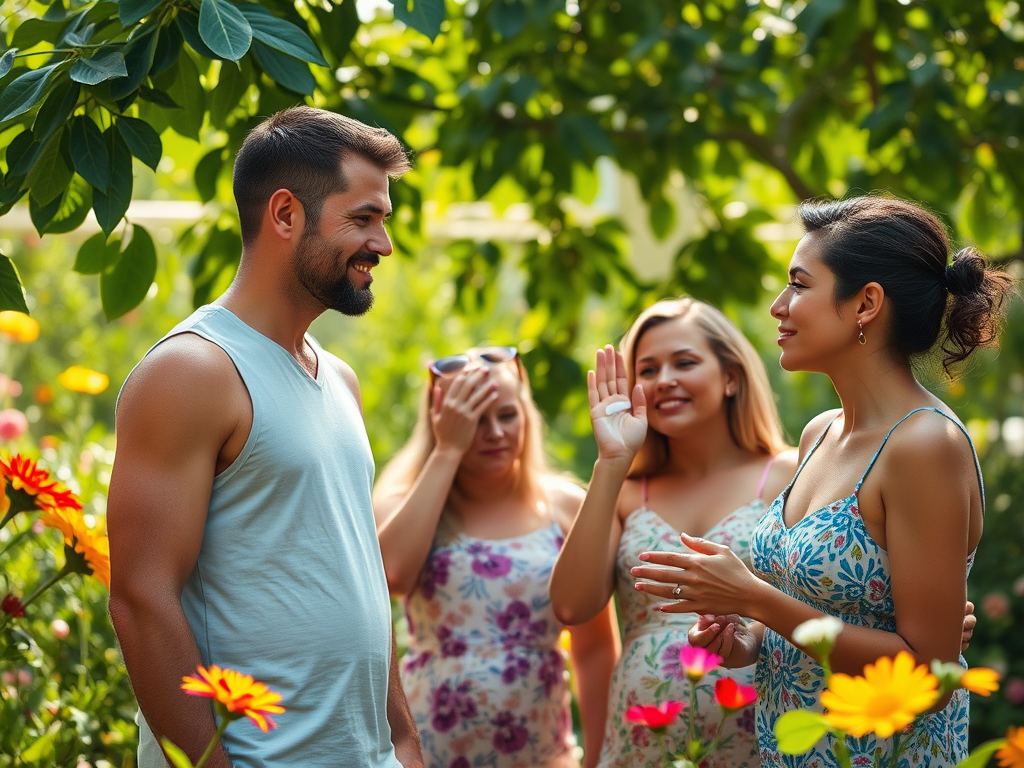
1015,690
657,717
13,424
995,605
1018,587
698,661
60,628
731,695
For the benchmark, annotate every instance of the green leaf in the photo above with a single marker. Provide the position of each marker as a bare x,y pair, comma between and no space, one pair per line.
186,90
7,61
224,29
50,175
159,98
22,153
280,34
422,15
338,25
31,32
95,255
42,214
175,755
138,60
143,141
74,208
56,108
799,730
41,750
979,756
233,81
131,11
23,92
12,294
89,152
508,17
111,205
284,70
168,49
125,286
188,25
100,67
663,216
207,171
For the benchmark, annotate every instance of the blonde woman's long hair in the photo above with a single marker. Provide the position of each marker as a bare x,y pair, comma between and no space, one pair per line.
400,474
752,415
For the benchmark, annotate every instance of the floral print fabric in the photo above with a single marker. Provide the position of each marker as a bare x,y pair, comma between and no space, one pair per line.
649,671
484,674
829,561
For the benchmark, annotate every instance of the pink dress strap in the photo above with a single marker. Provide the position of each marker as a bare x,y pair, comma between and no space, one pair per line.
764,477
643,490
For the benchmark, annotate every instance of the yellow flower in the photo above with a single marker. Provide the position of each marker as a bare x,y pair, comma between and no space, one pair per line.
61,519
79,379
237,693
886,699
1011,754
18,326
93,545
980,680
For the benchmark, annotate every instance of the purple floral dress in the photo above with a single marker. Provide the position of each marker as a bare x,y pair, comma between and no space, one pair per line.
649,672
484,675
829,561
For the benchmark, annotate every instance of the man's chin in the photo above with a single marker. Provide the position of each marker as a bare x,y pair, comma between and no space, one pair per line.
354,304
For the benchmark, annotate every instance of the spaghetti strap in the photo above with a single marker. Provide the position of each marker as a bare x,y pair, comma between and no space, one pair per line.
643,490
974,452
764,476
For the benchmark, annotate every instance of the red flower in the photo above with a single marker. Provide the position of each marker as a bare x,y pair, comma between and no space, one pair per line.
731,695
12,605
26,477
657,717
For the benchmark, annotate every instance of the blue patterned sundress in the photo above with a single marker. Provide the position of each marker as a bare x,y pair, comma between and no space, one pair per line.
829,561
484,674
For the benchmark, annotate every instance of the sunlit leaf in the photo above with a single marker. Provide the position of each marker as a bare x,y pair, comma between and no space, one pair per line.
142,140
22,93
103,66
280,34
224,29
125,286
799,730
285,70
131,11
422,15
12,294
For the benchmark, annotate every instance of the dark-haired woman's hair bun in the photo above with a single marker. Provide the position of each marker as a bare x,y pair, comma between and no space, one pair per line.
966,274
977,295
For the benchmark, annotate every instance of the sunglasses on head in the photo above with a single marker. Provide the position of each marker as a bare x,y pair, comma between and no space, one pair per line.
453,364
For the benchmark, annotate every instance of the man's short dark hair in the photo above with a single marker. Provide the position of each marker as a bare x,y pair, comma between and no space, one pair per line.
300,149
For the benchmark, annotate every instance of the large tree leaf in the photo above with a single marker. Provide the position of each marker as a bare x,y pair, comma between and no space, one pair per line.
207,171
338,25
168,48
138,60
22,153
186,90
89,152
50,175
224,29
111,205
56,108
31,32
7,61
125,286
232,82
102,66
188,25
12,294
284,70
96,254
280,34
131,11
23,92
143,141
74,208
422,15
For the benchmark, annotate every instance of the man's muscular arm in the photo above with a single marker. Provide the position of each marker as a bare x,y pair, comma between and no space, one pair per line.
179,409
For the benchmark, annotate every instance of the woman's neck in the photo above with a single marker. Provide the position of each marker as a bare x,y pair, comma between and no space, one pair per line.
875,391
703,449
470,489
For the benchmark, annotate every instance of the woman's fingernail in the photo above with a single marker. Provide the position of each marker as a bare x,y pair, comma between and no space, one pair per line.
645,556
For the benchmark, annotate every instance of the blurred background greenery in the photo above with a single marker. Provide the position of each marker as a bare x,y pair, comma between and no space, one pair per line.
575,161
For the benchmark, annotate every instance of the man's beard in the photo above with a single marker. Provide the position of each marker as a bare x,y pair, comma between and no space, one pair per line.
315,262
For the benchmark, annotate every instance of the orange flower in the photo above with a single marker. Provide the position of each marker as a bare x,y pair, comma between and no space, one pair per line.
17,326
238,694
79,379
980,680
32,481
61,519
92,544
1011,754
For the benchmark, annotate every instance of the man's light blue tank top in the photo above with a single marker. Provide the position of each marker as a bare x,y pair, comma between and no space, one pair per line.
289,586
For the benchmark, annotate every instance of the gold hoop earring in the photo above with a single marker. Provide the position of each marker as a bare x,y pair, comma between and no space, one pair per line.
860,336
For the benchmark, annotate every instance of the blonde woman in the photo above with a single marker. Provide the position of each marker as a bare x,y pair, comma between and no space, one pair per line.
700,453
470,520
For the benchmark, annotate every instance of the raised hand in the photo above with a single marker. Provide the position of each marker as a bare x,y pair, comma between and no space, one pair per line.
457,411
619,434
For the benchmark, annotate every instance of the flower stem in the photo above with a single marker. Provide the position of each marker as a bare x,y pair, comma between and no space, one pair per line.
14,539
213,743
691,716
842,751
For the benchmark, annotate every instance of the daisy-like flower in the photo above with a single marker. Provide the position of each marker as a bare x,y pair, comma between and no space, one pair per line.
697,662
61,519
886,699
655,718
91,546
980,680
235,695
79,379
31,487
17,326
731,696
1011,754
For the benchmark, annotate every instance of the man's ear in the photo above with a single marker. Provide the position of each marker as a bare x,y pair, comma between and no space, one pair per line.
285,216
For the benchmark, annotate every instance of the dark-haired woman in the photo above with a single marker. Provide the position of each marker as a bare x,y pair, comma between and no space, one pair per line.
880,524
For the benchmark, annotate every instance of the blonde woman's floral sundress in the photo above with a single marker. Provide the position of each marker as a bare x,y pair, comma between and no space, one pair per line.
829,561
649,671
484,674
